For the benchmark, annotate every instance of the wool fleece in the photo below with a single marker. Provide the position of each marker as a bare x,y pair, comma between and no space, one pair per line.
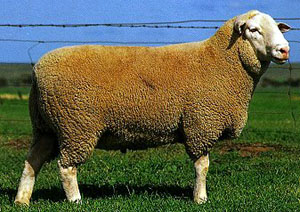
139,97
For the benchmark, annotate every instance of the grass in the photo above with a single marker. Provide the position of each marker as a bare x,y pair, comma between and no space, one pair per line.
161,180
257,172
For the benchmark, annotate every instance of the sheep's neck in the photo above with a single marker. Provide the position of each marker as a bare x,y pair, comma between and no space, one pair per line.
231,44
243,67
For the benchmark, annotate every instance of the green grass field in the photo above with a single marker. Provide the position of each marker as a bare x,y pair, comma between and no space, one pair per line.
257,172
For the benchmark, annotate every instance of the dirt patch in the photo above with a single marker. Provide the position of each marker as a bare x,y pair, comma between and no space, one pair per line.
296,98
254,150
19,143
246,150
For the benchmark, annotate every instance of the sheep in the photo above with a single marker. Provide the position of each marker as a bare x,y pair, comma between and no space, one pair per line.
196,94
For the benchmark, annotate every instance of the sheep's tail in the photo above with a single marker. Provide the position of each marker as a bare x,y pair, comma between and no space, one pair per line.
42,134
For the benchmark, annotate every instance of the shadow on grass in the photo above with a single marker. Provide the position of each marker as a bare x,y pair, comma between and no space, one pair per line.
56,194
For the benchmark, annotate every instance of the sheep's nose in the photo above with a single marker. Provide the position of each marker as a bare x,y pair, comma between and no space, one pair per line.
284,52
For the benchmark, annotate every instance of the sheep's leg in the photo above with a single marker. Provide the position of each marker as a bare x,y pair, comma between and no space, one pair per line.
69,182
40,151
70,157
201,168
26,184
75,150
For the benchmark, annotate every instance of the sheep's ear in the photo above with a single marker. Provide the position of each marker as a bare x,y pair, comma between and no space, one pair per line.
283,27
239,24
241,20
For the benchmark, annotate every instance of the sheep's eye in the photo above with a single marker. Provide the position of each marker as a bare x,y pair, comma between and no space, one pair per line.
253,30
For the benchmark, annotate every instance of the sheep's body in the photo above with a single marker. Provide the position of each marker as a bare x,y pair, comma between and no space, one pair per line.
142,96
139,97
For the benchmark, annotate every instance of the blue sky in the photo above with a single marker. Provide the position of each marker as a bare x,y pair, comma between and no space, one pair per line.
118,11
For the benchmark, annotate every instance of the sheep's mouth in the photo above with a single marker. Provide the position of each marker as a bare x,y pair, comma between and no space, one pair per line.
279,60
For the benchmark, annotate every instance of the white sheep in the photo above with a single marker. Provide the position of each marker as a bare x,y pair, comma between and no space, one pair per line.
139,97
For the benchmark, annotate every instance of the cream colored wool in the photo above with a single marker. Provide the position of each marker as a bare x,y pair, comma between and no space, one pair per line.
138,97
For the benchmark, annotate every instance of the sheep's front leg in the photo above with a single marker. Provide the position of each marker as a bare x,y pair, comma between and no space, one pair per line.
69,182
201,168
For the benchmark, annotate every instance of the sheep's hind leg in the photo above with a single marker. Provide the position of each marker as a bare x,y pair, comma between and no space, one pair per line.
201,168
41,151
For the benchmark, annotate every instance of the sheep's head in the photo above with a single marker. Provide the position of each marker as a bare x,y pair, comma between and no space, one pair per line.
265,36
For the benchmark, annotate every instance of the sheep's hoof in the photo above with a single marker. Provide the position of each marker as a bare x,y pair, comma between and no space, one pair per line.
21,202
200,200
76,201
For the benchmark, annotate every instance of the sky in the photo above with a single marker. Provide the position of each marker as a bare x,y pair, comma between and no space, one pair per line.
121,11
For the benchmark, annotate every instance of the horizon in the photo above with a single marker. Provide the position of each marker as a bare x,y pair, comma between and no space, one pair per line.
116,11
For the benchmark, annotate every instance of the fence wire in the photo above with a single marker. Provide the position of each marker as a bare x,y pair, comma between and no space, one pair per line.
168,24
129,26
160,24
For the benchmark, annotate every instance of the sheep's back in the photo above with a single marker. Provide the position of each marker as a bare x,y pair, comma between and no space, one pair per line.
120,87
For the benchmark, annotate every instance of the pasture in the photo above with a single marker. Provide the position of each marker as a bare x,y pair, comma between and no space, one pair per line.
257,172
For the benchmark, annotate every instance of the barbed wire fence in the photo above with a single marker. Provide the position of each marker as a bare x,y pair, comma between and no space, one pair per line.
167,25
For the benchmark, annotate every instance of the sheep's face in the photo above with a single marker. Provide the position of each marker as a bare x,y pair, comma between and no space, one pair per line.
265,36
